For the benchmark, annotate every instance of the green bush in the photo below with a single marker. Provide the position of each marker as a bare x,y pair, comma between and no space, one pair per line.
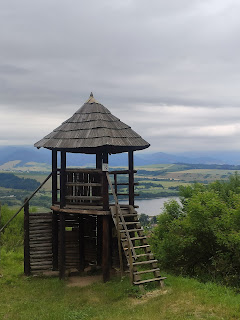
202,237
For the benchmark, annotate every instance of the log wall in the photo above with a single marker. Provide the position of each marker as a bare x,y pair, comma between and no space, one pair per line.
40,242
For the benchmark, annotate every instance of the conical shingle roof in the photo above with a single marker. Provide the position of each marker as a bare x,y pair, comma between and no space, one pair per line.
91,129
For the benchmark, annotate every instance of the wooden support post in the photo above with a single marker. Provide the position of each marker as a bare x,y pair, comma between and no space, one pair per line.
27,268
105,185
106,249
63,180
99,240
54,177
99,161
55,240
115,184
62,246
131,178
81,243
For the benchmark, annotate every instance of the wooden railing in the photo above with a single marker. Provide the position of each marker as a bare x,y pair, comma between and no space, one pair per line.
129,183
83,187
120,218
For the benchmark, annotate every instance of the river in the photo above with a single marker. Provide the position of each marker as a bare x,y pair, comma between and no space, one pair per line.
152,207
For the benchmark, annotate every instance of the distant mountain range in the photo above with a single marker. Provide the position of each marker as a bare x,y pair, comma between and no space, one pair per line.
26,154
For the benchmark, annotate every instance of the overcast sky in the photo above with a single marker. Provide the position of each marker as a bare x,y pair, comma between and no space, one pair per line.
169,69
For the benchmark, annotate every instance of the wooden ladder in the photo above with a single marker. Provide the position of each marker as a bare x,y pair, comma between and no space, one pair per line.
131,235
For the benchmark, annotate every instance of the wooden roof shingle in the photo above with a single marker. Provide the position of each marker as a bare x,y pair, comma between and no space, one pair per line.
92,128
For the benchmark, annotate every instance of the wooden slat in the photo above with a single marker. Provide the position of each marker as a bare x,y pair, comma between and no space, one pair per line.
84,197
149,280
97,171
146,271
84,184
144,262
121,172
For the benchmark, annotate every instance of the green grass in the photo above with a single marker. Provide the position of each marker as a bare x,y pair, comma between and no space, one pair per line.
48,298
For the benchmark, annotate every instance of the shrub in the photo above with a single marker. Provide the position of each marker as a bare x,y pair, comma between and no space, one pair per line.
202,238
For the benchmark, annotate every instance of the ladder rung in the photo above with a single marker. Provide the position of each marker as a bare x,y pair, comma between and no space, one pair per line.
149,280
135,238
144,254
146,271
130,223
143,246
132,230
139,238
144,262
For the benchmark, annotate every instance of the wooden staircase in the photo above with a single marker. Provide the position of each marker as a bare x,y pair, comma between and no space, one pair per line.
140,259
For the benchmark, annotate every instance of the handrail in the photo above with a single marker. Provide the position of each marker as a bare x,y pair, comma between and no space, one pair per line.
122,171
121,215
26,201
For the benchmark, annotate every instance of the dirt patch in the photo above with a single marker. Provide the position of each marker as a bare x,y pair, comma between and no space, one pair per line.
83,281
149,295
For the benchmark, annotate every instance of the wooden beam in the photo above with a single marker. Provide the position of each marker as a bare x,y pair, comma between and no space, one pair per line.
131,178
81,243
99,240
105,185
63,179
55,240
106,249
99,161
54,176
27,268
62,246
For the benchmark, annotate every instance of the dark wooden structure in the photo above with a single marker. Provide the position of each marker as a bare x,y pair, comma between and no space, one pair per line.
84,227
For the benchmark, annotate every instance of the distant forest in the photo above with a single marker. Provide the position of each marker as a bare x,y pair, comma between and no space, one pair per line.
9,180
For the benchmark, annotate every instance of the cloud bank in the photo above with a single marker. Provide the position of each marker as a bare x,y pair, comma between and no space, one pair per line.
170,69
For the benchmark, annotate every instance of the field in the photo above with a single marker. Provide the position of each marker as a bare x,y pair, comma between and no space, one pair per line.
154,182
49,298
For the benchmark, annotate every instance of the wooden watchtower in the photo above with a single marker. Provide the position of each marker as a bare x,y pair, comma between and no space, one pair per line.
82,222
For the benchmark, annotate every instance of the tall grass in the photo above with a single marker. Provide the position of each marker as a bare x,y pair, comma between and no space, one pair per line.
12,236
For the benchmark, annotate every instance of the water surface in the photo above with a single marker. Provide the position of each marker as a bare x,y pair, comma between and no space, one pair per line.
152,207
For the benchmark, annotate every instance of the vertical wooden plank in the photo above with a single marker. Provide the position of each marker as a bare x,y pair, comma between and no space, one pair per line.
99,161
131,178
106,249
99,240
105,185
62,259
81,243
55,240
63,180
115,183
27,270
54,177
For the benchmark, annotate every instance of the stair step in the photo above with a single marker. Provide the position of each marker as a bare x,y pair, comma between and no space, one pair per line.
149,280
144,255
144,262
127,215
143,246
132,230
139,238
146,271
130,223
135,238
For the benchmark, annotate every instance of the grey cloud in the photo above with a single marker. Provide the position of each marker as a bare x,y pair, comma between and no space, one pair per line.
130,54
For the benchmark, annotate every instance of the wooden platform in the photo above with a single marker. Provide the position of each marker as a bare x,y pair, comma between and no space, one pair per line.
78,210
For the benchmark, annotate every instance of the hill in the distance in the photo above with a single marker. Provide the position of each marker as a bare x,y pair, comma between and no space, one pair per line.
27,156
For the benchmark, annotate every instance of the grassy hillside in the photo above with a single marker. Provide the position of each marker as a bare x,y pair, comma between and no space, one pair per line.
49,298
